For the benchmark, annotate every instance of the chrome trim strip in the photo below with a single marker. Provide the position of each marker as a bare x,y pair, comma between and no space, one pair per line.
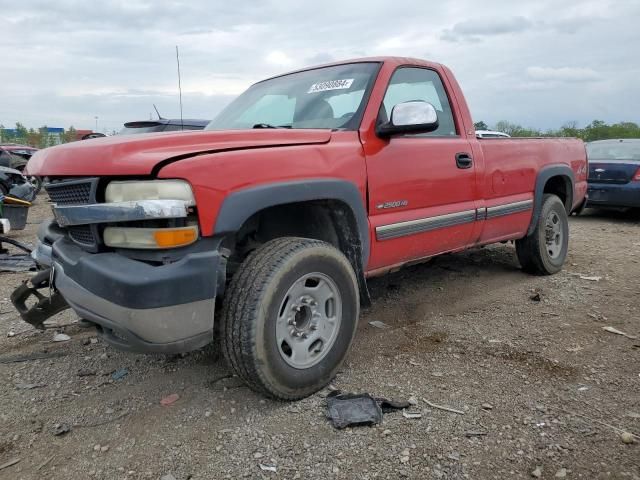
411,227
509,208
68,215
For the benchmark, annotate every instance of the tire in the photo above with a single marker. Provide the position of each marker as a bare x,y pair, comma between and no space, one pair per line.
289,317
536,254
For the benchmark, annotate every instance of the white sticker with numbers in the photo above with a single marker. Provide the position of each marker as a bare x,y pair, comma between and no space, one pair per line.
331,85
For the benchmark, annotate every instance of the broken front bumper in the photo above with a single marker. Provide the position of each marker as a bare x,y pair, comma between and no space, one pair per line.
135,305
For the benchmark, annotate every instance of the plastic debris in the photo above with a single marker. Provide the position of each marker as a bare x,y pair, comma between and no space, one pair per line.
16,263
61,337
349,409
29,386
61,429
590,278
268,468
618,332
379,324
120,374
169,400
411,415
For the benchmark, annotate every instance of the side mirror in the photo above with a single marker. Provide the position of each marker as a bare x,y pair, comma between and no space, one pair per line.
410,117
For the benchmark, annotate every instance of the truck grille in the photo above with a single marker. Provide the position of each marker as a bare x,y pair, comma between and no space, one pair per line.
77,192
74,192
82,234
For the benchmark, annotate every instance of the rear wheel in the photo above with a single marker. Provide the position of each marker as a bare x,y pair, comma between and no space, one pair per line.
289,317
545,250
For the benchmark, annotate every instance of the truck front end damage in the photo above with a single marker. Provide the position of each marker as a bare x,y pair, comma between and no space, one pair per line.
127,256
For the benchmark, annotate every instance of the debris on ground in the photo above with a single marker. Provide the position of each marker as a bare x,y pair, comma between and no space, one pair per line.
473,433
169,400
411,415
10,463
618,332
268,468
487,406
350,409
87,372
537,473
61,429
29,386
562,473
61,337
379,324
627,437
590,278
441,407
30,357
16,263
535,297
168,476
120,374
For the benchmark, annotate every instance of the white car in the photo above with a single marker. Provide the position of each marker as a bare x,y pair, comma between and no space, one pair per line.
491,134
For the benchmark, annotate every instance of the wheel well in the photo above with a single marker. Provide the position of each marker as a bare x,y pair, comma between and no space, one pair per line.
560,185
331,221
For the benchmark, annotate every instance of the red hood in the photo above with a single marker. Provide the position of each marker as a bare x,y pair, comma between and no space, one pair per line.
138,154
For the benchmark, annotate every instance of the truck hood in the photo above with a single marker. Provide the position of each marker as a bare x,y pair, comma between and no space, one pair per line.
123,155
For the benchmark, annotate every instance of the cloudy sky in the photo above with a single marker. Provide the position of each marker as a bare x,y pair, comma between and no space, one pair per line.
539,64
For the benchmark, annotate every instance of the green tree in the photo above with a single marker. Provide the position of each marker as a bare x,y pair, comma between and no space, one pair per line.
69,135
481,125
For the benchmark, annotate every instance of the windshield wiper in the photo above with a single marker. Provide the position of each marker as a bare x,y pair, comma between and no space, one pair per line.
268,125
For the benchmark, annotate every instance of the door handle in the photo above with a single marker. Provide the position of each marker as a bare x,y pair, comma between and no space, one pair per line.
464,160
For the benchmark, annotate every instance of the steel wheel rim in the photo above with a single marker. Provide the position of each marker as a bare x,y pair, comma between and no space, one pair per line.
554,235
309,318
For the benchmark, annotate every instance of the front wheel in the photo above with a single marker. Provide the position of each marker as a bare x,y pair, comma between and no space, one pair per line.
289,317
545,250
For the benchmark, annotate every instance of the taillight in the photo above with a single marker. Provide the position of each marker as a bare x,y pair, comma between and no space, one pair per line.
636,177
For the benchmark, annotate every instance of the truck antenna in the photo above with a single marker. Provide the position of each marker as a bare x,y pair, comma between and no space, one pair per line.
157,112
179,88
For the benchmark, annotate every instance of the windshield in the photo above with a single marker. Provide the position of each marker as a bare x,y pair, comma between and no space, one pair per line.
329,97
614,151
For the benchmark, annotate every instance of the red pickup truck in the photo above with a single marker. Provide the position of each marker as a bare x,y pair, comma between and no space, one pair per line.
261,230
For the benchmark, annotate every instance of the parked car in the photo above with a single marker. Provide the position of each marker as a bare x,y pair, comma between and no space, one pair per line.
302,188
15,184
163,125
491,134
15,156
614,173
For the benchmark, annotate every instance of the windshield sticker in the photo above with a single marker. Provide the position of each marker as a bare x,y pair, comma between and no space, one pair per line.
331,85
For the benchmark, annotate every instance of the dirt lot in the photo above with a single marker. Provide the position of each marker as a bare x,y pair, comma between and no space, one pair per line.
540,383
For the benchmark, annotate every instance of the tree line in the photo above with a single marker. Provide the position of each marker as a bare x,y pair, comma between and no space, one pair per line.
596,130
38,138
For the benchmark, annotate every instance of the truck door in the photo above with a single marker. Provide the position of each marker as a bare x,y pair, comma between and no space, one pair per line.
422,188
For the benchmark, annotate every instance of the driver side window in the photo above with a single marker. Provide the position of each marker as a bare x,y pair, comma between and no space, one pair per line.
410,84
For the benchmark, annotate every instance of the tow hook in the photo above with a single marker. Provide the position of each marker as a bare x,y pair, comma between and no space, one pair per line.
45,306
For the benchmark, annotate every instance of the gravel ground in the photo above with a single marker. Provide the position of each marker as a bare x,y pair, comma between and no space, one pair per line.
543,389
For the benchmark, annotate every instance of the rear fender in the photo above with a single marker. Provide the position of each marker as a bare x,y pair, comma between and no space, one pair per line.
545,174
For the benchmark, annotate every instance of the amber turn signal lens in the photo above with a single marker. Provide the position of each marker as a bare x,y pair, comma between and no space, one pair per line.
178,237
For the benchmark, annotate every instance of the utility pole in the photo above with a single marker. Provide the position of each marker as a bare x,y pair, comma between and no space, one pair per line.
96,117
